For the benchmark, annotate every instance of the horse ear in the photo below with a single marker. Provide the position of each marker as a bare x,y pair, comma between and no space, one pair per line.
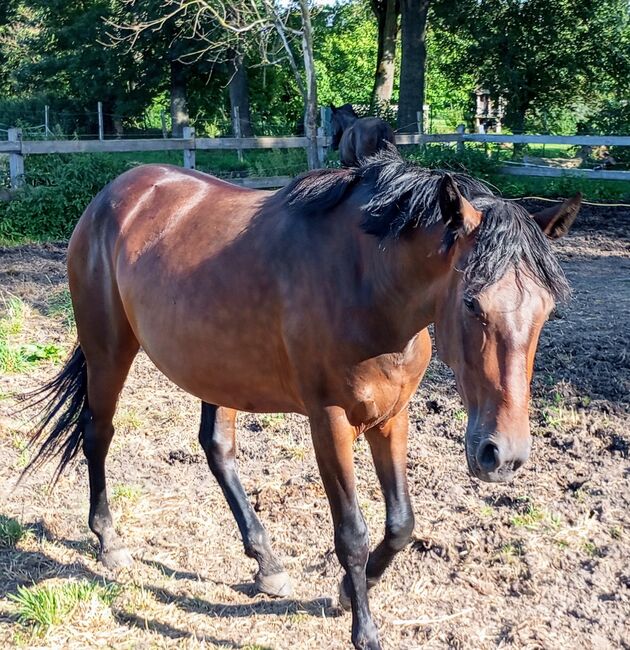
457,212
556,221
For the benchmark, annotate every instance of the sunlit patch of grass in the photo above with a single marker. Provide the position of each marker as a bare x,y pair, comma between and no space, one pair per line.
11,532
616,532
46,605
60,307
271,420
510,552
460,415
127,420
534,517
16,358
126,493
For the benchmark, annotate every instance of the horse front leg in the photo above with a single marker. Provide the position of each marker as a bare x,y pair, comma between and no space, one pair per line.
388,445
333,439
217,437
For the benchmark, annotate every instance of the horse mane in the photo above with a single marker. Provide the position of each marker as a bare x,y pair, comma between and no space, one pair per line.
404,196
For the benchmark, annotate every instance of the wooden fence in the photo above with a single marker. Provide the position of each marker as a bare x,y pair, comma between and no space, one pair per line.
17,148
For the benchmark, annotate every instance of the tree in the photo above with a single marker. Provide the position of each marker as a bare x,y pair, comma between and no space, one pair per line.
386,12
541,52
413,34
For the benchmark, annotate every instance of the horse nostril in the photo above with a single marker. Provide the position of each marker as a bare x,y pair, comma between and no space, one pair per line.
488,457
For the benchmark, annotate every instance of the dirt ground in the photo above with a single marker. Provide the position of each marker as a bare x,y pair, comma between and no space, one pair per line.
543,562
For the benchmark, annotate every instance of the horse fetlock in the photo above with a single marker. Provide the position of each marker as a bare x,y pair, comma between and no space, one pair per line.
365,637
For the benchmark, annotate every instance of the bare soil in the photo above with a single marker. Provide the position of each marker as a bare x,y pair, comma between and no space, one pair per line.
543,562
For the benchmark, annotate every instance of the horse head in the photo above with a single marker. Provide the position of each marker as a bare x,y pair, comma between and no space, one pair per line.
501,288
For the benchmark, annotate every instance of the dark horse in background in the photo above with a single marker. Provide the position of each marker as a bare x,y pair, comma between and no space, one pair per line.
357,137
315,299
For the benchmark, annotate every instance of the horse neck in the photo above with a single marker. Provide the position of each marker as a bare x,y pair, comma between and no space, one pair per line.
407,277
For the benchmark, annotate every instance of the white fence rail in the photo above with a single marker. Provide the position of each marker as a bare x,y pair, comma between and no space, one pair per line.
17,148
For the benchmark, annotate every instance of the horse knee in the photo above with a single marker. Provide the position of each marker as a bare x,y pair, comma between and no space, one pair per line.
398,530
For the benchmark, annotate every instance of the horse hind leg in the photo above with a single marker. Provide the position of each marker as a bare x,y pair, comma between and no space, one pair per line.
109,346
217,437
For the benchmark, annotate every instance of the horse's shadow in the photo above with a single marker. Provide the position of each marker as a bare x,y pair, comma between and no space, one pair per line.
45,567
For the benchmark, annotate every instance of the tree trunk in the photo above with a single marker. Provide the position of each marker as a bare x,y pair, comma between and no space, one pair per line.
179,103
386,12
310,100
239,94
414,54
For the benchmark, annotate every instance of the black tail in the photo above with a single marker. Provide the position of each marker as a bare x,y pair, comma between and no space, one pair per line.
63,404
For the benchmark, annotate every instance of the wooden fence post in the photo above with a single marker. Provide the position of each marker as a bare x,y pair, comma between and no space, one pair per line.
46,125
189,154
16,160
322,132
461,129
101,132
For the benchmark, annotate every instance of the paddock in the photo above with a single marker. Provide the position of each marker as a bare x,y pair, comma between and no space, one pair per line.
541,562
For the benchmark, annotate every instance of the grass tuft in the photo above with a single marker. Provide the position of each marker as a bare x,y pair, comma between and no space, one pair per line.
48,605
11,532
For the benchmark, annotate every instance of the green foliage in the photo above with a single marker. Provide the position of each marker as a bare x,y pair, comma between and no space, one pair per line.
17,357
11,532
470,161
58,188
49,605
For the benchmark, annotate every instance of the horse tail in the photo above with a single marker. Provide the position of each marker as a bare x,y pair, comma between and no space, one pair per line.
63,405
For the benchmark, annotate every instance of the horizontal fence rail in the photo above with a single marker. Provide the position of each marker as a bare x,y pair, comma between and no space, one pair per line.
17,148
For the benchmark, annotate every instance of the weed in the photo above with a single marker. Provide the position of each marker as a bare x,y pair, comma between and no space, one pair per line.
509,551
128,493
271,420
47,605
11,532
60,306
460,415
486,511
590,548
530,519
17,358
615,532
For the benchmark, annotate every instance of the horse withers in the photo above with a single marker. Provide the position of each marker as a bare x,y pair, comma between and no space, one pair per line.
315,299
356,137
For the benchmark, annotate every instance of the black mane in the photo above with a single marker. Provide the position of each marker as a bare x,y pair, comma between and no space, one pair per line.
405,196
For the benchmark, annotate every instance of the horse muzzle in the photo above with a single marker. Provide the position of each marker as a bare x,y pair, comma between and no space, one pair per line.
495,458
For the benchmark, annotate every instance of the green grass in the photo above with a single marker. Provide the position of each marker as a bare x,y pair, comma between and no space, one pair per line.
126,493
271,420
11,532
60,306
535,517
15,358
47,605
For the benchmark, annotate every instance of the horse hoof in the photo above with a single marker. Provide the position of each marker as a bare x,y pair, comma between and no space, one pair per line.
277,585
117,558
344,596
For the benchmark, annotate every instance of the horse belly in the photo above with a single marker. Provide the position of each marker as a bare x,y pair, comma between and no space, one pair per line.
223,349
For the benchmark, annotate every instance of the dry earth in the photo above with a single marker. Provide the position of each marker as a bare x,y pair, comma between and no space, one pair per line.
541,563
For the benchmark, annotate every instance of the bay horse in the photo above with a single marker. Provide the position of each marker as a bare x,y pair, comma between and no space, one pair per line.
357,137
314,299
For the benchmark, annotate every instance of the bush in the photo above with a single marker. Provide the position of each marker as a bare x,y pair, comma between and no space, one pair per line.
58,188
472,160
